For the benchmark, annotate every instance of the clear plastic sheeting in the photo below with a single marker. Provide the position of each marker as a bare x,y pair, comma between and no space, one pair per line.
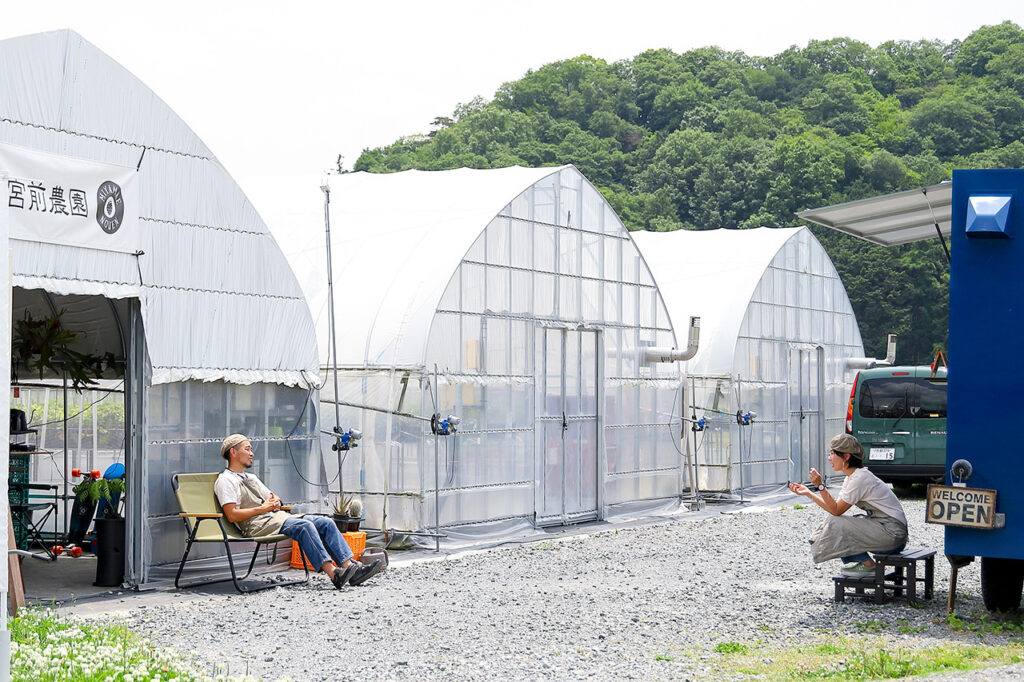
776,328
188,421
525,291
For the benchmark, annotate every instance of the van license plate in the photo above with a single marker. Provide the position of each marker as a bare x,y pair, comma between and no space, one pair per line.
882,453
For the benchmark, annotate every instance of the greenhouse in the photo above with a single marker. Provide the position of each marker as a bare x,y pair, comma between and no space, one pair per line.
777,330
514,300
167,274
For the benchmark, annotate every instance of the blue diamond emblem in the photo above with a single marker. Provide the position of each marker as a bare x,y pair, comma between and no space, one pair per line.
988,216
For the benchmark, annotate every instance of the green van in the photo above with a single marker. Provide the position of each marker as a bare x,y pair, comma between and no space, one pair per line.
899,416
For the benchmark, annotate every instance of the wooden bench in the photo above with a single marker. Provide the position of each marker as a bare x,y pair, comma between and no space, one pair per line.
198,504
894,573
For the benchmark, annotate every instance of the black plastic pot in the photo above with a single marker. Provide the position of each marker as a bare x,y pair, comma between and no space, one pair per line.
110,548
346,524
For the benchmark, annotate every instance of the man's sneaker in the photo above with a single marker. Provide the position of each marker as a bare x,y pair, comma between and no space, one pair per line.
857,571
364,572
343,575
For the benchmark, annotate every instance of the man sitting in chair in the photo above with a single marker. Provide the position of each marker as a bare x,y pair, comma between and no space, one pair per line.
257,512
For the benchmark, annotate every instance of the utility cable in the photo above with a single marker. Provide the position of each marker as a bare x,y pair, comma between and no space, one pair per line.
81,411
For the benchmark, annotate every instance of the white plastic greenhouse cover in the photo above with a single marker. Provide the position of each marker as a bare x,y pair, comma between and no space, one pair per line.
711,274
218,299
396,240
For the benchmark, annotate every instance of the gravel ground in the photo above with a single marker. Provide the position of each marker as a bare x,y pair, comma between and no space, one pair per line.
599,606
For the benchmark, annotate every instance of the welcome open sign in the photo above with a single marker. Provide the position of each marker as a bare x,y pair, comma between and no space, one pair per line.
967,507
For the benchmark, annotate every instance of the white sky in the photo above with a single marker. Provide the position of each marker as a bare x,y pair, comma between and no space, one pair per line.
278,90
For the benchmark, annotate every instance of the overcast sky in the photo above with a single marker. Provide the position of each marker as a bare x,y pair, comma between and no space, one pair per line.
277,90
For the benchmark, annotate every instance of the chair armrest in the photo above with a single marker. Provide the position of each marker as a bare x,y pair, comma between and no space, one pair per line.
208,515
287,508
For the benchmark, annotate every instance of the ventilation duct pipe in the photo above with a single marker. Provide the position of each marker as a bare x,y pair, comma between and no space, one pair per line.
868,363
652,355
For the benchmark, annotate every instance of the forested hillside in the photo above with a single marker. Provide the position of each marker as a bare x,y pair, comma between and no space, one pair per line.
710,139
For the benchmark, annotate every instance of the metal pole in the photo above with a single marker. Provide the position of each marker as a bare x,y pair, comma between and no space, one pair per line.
693,455
739,406
437,476
65,477
330,320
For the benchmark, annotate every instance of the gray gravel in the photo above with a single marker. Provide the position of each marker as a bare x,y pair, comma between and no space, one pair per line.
598,606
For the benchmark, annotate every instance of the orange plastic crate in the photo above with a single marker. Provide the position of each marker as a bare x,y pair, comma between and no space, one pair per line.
296,561
356,542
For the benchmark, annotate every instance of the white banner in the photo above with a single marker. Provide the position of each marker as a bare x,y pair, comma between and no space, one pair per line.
66,200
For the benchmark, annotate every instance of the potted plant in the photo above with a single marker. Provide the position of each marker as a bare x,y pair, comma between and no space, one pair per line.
348,513
110,525
45,344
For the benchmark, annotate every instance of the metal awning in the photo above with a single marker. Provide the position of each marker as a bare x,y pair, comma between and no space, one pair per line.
890,219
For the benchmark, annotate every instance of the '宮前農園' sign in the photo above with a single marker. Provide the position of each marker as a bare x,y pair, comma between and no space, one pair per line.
955,506
65,200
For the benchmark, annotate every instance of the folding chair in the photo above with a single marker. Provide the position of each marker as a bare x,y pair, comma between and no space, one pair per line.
198,504
24,514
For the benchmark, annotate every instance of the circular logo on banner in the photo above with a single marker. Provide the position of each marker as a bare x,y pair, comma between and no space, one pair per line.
109,206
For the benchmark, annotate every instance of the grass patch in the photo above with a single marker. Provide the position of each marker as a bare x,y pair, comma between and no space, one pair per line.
47,647
864,657
986,623
731,648
661,657
870,626
799,506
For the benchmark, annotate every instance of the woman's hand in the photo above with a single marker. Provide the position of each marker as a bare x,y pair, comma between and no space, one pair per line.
814,477
799,489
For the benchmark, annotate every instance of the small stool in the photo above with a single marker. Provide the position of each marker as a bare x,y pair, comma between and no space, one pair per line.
901,580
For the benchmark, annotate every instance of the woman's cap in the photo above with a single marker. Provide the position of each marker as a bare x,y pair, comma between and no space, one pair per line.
230,442
844,442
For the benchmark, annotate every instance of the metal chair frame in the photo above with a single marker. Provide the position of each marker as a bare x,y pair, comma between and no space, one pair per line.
229,533
22,513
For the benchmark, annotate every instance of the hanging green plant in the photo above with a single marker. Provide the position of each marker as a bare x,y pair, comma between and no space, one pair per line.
45,344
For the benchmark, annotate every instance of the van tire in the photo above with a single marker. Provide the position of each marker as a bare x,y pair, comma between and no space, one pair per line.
1001,583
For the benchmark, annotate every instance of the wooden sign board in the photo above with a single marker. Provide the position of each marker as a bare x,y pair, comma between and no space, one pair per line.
964,507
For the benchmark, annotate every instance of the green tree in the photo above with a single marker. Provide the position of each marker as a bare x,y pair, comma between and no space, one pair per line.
984,45
711,138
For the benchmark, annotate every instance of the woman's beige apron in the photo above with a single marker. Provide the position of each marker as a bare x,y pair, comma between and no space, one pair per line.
840,536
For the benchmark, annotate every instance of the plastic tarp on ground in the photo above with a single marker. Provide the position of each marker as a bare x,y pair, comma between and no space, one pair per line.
776,328
228,341
525,290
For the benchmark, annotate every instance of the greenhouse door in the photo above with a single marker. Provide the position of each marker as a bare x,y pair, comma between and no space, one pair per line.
806,422
567,425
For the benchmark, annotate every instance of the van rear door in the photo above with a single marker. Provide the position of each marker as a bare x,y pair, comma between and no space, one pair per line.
885,423
930,418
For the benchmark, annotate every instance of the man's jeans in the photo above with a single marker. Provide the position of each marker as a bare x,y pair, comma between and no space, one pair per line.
319,539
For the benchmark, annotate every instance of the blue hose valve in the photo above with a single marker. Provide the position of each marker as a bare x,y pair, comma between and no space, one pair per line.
444,426
347,440
700,424
745,418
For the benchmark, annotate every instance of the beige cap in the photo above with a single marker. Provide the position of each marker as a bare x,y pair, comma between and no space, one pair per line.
844,442
230,442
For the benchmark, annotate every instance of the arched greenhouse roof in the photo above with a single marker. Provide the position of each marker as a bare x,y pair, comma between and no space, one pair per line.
397,239
713,274
218,299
